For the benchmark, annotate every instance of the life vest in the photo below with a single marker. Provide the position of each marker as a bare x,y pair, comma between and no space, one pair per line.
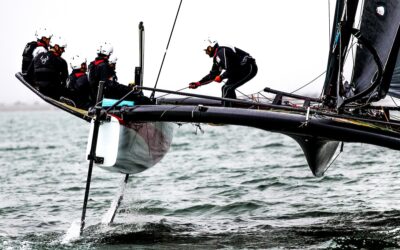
72,80
93,78
29,48
27,56
44,62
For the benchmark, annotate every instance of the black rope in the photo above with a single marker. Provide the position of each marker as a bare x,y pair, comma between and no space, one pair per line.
165,53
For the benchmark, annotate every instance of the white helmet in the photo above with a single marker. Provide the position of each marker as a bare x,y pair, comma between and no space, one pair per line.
57,40
105,49
76,62
43,32
210,42
113,59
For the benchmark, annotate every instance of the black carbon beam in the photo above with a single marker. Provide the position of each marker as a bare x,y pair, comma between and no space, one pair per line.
92,154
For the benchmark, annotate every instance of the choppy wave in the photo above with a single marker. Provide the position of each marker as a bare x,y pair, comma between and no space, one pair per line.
231,187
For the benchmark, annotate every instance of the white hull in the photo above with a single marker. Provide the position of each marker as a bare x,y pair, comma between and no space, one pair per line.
132,147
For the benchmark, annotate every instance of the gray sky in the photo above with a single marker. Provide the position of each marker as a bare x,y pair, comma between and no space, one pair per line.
288,38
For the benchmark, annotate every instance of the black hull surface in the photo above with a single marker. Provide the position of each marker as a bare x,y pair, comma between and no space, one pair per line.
326,128
319,136
83,114
317,133
133,148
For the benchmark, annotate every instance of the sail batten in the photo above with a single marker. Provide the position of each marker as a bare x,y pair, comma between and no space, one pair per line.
394,73
379,27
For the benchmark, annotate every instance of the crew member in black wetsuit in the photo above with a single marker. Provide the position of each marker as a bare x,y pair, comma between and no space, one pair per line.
78,85
33,48
113,67
49,71
101,70
229,63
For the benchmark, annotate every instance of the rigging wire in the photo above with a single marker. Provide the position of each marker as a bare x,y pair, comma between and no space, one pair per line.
259,93
165,53
361,13
352,55
352,38
329,23
243,94
329,39
175,91
329,30
394,101
313,80
340,71
351,48
305,85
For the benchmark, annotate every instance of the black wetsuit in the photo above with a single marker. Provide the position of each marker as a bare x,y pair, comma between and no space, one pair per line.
100,70
239,68
79,90
49,72
27,55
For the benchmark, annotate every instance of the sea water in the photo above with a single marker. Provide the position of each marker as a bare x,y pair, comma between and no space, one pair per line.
219,187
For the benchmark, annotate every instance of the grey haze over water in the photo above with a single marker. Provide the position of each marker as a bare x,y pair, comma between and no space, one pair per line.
229,187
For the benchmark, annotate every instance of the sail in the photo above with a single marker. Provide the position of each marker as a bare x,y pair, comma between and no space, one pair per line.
395,82
341,33
379,28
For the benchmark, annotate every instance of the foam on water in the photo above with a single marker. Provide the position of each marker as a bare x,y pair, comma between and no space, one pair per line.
109,216
231,187
73,232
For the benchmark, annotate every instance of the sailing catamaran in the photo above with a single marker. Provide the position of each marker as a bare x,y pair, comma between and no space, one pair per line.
130,139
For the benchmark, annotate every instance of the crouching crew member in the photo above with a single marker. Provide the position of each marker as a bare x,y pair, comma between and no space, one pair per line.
78,85
229,63
33,48
49,71
102,70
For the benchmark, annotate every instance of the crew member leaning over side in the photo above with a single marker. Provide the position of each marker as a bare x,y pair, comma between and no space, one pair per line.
49,71
43,36
229,63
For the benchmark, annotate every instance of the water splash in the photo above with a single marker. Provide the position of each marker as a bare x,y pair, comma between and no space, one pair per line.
73,232
109,216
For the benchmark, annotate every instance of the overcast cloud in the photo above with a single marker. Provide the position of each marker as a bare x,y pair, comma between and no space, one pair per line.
288,38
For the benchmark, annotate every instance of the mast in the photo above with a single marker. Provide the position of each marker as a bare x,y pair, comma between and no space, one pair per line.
341,33
329,90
